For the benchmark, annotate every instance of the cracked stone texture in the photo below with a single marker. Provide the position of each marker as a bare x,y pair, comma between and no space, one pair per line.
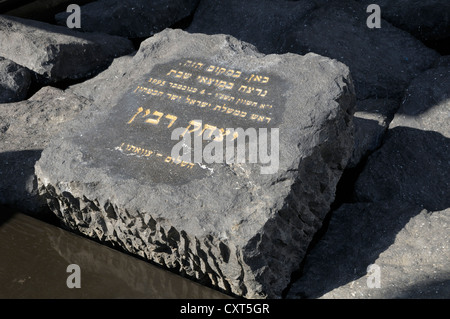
230,226
57,53
26,128
131,18
382,61
409,244
15,81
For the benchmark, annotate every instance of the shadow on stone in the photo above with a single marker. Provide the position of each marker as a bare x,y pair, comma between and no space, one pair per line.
361,242
18,185
411,167
357,237
436,289
405,184
427,92
5,214
41,10
261,23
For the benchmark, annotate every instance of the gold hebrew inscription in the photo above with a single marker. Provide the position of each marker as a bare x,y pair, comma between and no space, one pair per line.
224,91
146,153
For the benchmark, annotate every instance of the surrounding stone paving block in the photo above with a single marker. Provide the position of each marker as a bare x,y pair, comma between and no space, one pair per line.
259,22
413,163
382,61
58,53
379,250
26,127
426,104
131,18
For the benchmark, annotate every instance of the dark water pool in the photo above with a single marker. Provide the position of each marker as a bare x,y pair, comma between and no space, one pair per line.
34,257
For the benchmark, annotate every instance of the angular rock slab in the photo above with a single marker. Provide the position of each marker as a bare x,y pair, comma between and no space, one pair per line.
131,18
58,53
111,175
15,81
411,166
406,245
382,61
26,128
426,104
413,163
426,20
442,61
259,22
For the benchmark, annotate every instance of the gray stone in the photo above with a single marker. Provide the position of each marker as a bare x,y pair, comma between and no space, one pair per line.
58,53
371,120
25,129
413,163
426,104
406,245
259,22
382,61
411,166
14,81
443,61
111,174
427,20
131,18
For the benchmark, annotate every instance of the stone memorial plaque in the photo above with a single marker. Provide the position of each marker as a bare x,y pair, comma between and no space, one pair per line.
205,100
205,156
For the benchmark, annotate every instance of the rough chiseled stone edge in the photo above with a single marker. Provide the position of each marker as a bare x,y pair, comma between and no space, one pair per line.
165,241
301,209
158,241
162,243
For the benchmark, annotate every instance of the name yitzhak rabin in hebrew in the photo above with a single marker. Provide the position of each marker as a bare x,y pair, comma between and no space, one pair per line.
262,147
